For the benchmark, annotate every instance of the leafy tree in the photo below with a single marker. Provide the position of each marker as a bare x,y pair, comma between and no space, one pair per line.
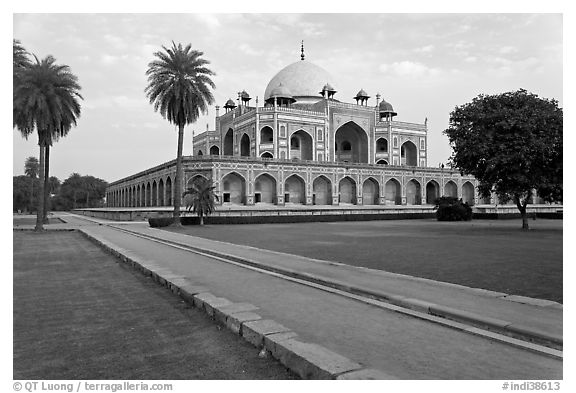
179,88
79,191
511,143
45,100
23,196
200,198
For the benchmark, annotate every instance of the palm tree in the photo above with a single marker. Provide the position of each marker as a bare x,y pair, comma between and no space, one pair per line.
202,197
46,101
31,170
179,88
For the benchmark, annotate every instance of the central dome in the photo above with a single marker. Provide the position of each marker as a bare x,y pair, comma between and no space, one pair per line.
303,79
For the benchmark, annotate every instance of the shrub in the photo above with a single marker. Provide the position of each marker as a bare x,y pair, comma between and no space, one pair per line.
159,222
452,209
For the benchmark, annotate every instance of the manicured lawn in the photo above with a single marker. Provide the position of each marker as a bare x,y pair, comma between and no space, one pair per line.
79,314
495,255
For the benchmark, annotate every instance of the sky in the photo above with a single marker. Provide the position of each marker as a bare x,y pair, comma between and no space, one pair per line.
423,64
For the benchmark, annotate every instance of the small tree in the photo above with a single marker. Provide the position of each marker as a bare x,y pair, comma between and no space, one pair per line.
511,143
452,209
200,198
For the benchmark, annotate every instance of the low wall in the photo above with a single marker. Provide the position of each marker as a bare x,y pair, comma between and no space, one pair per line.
314,214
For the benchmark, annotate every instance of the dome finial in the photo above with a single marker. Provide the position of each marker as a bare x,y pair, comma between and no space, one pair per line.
302,50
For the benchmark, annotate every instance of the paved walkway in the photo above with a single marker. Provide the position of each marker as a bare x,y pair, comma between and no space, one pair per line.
401,346
79,314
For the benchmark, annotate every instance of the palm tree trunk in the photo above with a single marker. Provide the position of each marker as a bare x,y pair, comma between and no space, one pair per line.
40,212
31,194
178,178
46,188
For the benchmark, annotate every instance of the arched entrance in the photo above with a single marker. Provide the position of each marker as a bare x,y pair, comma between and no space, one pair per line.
169,200
148,195
265,189
450,189
294,190
382,162
381,145
161,193
229,143
266,154
154,193
245,146
233,188
214,151
266,135
413,193
300,146
409,154
347,189
393,192
200,153
322,191
351,143
370,192
468,193
432,192
143,196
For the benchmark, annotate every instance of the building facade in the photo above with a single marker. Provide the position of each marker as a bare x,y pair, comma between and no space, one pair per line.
304,146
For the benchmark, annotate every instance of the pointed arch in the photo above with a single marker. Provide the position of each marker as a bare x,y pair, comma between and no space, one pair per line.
245,145
233,188
228,143
169,197
266,135
295,189
413,192
370,192
161,192
409,154
265,188
432,192
322,191
301,145
351,143
347,190
393,192
468,193
154,193
266,154
450,189
214,150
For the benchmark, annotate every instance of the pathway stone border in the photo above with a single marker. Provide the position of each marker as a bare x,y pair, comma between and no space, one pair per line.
308,360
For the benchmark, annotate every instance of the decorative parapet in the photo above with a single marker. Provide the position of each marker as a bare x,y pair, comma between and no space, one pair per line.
402,125
291,110
338,104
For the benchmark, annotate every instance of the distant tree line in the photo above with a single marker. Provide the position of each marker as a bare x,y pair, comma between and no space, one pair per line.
76,191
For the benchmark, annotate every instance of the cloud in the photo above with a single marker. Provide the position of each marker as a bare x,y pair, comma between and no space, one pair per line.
210,20
425,49
506,50
408,68
249,50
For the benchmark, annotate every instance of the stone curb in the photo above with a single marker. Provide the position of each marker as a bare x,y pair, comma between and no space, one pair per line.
506,328
309,361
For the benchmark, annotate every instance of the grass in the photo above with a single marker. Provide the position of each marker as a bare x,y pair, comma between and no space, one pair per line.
79,314
495,255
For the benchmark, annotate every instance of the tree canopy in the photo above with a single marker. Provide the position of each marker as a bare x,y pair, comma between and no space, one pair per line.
511,143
